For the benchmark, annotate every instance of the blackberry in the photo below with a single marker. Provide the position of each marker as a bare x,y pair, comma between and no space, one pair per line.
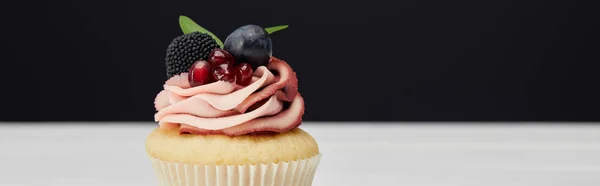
186,49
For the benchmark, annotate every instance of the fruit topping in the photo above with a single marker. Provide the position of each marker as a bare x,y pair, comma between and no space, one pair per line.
186,49
250,43
243,74
224,72
199,73
219,56
207,59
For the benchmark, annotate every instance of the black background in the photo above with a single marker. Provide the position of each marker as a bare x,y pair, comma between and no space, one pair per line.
426,60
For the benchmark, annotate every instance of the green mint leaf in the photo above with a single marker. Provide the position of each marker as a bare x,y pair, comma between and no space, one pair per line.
188,26
272,29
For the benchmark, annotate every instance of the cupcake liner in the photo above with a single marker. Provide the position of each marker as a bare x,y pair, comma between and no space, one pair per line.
293,173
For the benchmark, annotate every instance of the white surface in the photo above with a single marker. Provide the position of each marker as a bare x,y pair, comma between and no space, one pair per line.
353,154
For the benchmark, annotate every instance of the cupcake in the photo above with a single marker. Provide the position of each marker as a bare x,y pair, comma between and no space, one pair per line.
229,113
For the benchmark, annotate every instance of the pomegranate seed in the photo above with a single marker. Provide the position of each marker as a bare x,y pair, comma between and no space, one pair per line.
243,74
224,72
199,73
219,56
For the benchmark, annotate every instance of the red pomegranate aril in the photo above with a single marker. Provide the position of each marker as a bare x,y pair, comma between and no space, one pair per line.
224,72
219,61
219,56
243,74
199,73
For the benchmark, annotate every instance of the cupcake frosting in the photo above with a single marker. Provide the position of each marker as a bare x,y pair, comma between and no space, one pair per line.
270,103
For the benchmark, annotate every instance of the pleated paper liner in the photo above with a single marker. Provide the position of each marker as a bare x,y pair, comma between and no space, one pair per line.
293,173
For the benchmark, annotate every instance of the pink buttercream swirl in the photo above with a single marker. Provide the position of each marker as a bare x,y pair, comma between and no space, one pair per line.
271,103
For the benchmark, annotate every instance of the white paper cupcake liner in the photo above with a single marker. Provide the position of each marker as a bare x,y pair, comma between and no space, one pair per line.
294,173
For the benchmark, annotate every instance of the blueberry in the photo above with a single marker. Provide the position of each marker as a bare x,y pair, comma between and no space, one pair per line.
251,44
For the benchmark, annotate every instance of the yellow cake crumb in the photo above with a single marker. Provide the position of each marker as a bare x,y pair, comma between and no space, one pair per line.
169,145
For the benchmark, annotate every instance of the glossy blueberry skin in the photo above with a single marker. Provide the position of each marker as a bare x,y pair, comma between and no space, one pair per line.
251,44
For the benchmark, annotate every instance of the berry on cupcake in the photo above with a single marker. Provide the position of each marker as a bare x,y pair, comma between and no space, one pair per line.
219,56
250,43
185,50
200,73
243,74
199,53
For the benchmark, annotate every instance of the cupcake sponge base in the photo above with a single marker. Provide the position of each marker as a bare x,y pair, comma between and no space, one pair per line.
167,145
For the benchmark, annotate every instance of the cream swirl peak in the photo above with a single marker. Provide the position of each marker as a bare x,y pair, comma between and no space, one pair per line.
270,103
